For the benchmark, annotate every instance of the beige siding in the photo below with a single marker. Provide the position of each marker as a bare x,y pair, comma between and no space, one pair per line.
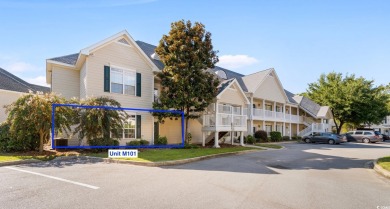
7,98
270,90
83,81
126,57
172,130
66,82
232,96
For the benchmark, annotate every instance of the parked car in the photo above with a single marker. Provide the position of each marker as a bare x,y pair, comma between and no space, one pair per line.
324,137
365,136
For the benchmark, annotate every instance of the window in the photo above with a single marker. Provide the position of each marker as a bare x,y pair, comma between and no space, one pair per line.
122,81
268,107
359,132
129,129
368,133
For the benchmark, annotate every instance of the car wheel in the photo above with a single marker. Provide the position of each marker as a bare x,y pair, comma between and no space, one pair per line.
365,140
307,140
331,141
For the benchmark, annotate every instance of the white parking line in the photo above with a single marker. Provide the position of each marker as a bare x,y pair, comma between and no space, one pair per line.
53,177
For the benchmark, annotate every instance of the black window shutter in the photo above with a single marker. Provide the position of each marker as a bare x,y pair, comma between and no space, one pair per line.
106,78
138,123
138,94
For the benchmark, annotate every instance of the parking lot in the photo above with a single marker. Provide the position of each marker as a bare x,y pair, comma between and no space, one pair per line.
300,176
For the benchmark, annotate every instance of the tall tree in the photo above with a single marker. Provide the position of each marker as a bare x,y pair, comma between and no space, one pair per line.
187,53
31,115
352,100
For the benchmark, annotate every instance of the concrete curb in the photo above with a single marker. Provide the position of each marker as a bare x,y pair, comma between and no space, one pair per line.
154,164
19,162
381,170
178,162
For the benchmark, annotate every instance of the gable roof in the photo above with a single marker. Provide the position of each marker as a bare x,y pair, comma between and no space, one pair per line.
70,59
253,81
73,59
226,84
290,97
10,82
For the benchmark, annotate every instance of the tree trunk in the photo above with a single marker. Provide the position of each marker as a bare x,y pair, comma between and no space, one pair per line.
340,126
186,130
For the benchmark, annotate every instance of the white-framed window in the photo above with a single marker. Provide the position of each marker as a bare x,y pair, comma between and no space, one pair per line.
122,81
129,129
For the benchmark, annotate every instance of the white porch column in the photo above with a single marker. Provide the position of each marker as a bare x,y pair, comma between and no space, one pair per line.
284,129
203,138
284,113
216,145
289,130
290,113
298,115
263,125
242,138
297,129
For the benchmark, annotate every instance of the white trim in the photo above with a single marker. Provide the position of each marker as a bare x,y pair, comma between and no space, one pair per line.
123,44
60,63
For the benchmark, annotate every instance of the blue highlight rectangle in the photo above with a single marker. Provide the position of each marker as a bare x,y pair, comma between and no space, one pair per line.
115,108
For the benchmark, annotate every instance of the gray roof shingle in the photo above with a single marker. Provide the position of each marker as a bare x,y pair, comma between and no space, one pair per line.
70,59
10,82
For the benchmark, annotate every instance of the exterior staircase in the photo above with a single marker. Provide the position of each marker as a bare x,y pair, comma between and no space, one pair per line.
210,139
314,127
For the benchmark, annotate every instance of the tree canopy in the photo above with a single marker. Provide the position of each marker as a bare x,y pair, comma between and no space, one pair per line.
187,54
30,115
352,100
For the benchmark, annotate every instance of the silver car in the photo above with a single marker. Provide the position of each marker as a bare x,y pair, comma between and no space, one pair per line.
365,136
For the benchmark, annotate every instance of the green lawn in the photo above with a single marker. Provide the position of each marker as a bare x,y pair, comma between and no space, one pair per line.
5,157
273,146
157,155
385,162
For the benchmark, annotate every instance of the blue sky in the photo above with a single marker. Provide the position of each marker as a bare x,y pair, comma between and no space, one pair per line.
300,39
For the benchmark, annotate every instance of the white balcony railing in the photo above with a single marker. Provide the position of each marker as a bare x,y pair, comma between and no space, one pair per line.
227,109
279,115
258,112
269,114
224,120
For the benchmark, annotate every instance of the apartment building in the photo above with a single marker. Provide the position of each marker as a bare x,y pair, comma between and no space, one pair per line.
125,69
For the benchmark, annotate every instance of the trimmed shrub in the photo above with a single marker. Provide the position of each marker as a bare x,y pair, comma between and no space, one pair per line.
299,137
4,137
162,140
276,136
286,138
103,142
261,135
133,143
249,139
294,137
144,142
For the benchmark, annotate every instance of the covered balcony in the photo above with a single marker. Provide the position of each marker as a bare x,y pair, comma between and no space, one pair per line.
225,118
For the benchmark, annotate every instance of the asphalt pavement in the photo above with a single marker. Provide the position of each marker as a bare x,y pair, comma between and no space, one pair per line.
300,176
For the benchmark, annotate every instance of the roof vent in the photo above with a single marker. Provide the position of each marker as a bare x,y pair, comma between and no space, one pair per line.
155,56
123,41
221,74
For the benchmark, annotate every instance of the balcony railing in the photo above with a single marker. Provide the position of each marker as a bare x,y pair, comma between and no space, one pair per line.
273,115
224,120
227,109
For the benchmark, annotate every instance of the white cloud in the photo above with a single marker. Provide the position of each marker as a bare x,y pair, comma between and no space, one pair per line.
20,67
236,61
40,80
